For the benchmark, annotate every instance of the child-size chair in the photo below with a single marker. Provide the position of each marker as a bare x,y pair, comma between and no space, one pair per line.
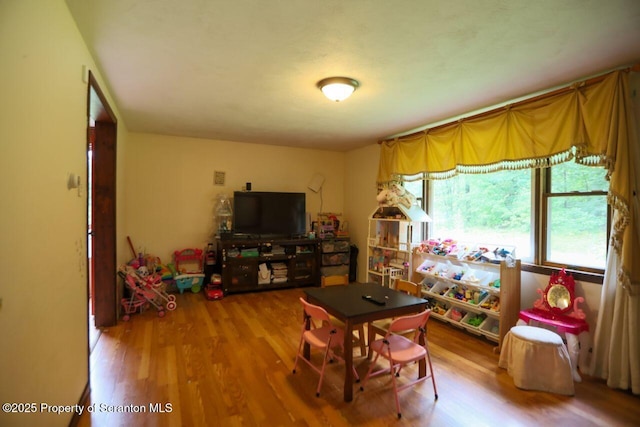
381,327
401,351
320,333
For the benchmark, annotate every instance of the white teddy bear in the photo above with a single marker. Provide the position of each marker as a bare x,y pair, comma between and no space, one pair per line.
403,197
395,195
383,197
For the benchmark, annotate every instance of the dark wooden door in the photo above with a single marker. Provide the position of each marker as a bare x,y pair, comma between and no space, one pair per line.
103,224
103,209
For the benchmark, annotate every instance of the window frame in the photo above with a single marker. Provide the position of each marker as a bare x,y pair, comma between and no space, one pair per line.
541,192
546,194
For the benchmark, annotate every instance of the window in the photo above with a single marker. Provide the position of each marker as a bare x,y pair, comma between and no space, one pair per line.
492,208
575,201
500,208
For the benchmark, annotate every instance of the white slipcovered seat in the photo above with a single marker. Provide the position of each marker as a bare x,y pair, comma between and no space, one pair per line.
537,359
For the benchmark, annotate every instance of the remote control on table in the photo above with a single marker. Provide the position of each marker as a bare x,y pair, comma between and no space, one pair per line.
373,300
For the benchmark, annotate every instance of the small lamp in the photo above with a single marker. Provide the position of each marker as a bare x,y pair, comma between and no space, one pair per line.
337,88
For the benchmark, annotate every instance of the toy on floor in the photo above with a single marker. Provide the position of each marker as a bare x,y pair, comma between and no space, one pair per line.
145,291
213,290
188,263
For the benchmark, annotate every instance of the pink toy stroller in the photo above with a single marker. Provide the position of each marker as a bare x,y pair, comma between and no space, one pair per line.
145,290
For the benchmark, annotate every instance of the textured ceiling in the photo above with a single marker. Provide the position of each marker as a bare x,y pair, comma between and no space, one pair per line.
247,70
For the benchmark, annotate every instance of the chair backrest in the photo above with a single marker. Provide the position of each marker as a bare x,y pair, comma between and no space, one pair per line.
408,288
315,312
334,280
412,322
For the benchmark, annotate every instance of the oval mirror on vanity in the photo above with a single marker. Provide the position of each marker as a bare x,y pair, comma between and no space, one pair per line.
558,297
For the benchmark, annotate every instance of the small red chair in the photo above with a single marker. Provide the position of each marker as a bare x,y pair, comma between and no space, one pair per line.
319,333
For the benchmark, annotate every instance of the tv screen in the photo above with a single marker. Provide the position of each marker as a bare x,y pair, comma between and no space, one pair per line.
269,213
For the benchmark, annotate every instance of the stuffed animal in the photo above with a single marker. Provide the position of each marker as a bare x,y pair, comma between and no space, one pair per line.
394,195
387,197
402,196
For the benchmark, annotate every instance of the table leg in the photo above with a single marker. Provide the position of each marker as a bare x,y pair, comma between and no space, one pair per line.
348,360
371,335
573,346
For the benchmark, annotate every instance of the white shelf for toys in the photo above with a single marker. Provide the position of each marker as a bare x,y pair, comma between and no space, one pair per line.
480,297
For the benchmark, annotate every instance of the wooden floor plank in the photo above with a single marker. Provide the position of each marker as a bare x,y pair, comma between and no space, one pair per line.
229,362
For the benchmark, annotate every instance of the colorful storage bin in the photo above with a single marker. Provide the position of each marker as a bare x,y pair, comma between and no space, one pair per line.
189,281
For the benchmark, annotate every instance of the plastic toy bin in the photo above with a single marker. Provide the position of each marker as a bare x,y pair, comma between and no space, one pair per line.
189,281
491,328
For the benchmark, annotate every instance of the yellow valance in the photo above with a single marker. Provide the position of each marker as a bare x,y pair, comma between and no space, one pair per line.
536,133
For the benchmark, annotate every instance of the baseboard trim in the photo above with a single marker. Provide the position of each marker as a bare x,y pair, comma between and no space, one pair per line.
84,398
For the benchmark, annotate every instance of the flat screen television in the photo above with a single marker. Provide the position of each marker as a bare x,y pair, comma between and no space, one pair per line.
262,213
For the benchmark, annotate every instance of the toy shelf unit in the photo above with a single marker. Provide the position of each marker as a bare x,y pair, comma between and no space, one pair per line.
335,257
480,297
260,264
393,232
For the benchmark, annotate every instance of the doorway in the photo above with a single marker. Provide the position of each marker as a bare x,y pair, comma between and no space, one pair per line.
101,212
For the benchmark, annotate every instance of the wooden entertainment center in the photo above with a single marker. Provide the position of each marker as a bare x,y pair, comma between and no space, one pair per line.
252,264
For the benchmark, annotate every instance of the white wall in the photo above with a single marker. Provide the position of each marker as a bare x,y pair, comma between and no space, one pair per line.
43,122
170,195
360,198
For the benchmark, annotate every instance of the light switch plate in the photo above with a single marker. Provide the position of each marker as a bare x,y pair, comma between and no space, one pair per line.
218,178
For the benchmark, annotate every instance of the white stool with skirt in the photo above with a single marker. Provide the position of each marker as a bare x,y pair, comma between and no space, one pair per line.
537,359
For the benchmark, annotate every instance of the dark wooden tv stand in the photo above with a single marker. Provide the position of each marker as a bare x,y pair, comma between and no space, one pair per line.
253,264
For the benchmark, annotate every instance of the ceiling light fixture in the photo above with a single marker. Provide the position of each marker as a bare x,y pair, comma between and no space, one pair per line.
338,88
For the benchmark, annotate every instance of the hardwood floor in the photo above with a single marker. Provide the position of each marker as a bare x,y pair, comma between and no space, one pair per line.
229,363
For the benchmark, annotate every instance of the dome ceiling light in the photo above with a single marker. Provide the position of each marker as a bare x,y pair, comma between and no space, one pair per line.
338,88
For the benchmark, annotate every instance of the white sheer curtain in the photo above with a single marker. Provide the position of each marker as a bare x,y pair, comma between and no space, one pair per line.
616,350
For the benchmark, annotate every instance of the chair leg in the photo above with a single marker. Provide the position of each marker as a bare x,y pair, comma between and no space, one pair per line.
295,364
433,378
394,373
324,364
371,366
